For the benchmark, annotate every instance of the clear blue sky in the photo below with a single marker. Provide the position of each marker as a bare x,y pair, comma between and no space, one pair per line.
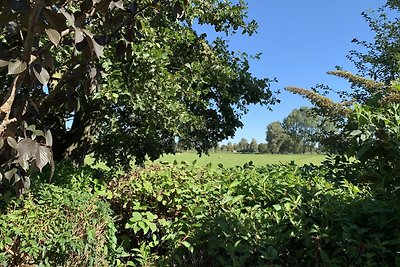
300,41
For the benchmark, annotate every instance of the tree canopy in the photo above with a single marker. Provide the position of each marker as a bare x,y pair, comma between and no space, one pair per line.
300,132
122,79
276,137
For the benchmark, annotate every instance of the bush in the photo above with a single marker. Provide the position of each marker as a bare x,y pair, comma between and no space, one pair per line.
185,215
278,215
53,226
375,141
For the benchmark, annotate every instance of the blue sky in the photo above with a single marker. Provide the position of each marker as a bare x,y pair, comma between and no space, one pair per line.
300,41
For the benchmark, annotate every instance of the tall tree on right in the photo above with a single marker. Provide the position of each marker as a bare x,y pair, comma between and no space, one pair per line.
370,121
380,60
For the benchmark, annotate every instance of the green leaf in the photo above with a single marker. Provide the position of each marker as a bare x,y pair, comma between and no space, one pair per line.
8,240
187,245
363,149
237,199
150,216
271,252
135,227
355,132
235,183
152,226
143,226
136,216
277,207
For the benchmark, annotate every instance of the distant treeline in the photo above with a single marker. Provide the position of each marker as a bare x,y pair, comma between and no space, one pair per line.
302,131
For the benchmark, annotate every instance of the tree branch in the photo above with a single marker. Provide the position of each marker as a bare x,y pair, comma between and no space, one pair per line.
28,43
18,80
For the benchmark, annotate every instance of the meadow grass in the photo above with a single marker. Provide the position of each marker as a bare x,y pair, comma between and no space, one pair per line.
229,160
238,159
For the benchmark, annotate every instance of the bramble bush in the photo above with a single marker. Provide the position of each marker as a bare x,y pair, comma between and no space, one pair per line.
186,215
183,215
54,226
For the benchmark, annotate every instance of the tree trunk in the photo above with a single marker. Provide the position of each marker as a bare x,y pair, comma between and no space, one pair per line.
77,141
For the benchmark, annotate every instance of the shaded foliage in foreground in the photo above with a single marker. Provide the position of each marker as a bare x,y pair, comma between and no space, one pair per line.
54,226
285,215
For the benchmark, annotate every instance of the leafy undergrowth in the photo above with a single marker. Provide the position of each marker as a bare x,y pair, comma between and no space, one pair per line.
53,226
185,215
271,216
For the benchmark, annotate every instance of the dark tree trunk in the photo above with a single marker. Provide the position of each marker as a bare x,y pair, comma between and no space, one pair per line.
74,144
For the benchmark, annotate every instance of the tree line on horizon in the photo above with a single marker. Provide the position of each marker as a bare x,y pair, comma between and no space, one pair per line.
302,131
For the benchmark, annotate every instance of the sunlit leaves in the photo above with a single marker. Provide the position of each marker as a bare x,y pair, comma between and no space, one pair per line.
16,67
54,36
3,63
41,74
42,156
253,215
11,141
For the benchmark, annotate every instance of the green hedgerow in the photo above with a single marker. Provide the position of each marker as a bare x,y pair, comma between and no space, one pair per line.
53,226
283,215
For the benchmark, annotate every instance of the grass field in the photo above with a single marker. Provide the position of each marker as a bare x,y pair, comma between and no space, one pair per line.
235,159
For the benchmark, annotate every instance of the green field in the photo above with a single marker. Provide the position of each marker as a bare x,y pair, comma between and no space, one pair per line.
235,159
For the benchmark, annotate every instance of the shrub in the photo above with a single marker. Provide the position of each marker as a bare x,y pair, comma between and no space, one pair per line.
53,226
375,141
182,215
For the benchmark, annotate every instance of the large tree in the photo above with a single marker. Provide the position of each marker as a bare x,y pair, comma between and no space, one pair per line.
122,79
306,128
263,148
276,137
243,145
253,146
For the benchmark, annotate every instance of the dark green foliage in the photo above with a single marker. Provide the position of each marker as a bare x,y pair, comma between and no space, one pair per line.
53,226
276,215
373,135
